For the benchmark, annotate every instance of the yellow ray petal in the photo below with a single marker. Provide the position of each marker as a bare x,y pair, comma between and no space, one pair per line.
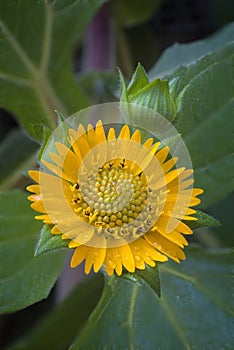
167,224
57,171
175,237
197,191
148,143
80,145
118,256
186,217
34,174
136,136
39,206
161,182
165,246
194,202
162,154
46,219
169,164
70,160
33,188
95,258
124,132
127,257
142,250
73,244
190,211
154,148
55,231
80,234
111,134
79,255
99,132
90,133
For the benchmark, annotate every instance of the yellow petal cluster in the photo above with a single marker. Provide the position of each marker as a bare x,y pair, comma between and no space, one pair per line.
120,202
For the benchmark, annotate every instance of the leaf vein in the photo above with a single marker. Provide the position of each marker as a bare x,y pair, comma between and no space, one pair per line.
201,288
46,47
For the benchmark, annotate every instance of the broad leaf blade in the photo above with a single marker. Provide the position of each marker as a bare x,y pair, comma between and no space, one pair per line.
52,332
187,54
36,67
17,151
24,279
202,94
133,317
205,122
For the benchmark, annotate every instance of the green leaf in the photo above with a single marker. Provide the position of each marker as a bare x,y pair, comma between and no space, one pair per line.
223,210
17,152
195,303
52,332
185,55
99,86
151,276
133,12
208,101
24,279
203,220
202,93
48,242
36,77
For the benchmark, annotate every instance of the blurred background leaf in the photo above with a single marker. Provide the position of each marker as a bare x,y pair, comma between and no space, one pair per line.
36,75
24,279
195,302
203,92
17,153
134,11
59,327
99,86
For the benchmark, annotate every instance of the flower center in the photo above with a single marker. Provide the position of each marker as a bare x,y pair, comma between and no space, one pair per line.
114,200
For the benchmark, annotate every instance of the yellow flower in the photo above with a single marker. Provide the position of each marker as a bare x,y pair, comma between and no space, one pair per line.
118,201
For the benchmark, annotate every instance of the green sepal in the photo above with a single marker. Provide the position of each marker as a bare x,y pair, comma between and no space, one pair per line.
47,242
149,276
139,80
203,220
155,95
46,136
62,130
122,87
60,117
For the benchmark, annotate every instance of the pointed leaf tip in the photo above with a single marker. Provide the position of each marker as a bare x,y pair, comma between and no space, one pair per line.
149,276
203,220
47,242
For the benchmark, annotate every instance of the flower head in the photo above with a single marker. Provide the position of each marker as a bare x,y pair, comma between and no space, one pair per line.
120,202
